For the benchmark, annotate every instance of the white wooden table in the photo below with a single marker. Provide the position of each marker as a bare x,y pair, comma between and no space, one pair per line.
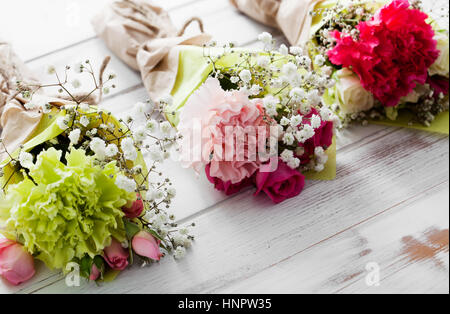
388,207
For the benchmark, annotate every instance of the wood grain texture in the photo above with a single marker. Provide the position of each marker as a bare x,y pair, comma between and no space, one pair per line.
389,203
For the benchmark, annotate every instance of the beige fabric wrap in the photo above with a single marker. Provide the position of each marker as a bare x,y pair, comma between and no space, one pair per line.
142,35
16,123
290,16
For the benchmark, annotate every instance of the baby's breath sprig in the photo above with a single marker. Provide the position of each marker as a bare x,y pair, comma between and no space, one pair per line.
290,90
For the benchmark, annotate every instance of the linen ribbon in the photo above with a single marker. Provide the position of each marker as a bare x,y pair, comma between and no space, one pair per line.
143,36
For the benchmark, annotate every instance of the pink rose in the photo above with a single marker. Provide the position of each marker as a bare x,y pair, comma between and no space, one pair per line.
95,273
227,187
116,256
135,209
144,244
281,184
16,264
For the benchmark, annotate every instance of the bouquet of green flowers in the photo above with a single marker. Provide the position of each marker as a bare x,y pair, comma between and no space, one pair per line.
77,194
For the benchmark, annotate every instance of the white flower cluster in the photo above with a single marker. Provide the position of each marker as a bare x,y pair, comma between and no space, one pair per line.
291,93
142,135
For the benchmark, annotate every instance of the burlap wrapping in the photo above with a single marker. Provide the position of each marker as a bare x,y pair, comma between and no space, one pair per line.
143,36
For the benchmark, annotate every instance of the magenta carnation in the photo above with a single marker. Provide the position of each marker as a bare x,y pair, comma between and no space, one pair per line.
393,53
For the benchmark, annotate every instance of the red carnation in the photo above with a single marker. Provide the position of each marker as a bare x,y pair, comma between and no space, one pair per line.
393,53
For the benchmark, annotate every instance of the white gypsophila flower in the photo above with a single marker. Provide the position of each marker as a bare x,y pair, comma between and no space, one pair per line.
51,70
284,50
156,154
270,104
319,167
128,148
62,123
76,83
296,121
179,252
305,134
255,90
124,244
294,163
111,150
276,83
166,128
315,121
325,113
288,138
98,146
285,121
30,105
167,100
321,155
359,11
150,195
327,70
263,61
265,38
47,108
26,160
159,195
184,231
296,51
289,69
74,136
85,107
297,94
140,134
171,192
287,155
84,121
314,97
246,76
319,60
151,125
140,107
304,61
78,67
234,79
125,183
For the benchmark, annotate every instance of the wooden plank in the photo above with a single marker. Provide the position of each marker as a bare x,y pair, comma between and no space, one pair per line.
408,243
233,245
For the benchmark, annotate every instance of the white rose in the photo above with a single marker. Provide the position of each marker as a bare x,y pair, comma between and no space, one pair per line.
441,65
350,94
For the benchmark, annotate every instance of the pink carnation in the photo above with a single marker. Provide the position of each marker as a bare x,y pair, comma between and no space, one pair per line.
393,53
216,112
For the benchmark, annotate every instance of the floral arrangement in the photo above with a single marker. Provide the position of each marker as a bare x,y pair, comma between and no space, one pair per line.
257,120
79,191
385,57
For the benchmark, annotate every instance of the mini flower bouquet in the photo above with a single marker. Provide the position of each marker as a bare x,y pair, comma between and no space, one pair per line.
390,62
253,118
78,194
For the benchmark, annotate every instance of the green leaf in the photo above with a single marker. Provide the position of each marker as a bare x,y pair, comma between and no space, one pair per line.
131,228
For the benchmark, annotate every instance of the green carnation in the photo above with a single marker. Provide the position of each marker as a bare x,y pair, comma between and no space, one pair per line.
62,211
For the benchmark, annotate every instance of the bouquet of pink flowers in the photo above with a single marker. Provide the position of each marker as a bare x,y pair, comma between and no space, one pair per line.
387,59
257,120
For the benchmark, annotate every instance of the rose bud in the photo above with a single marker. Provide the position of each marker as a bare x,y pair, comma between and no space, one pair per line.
116,256
16,264
134,209
144,244
95,273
